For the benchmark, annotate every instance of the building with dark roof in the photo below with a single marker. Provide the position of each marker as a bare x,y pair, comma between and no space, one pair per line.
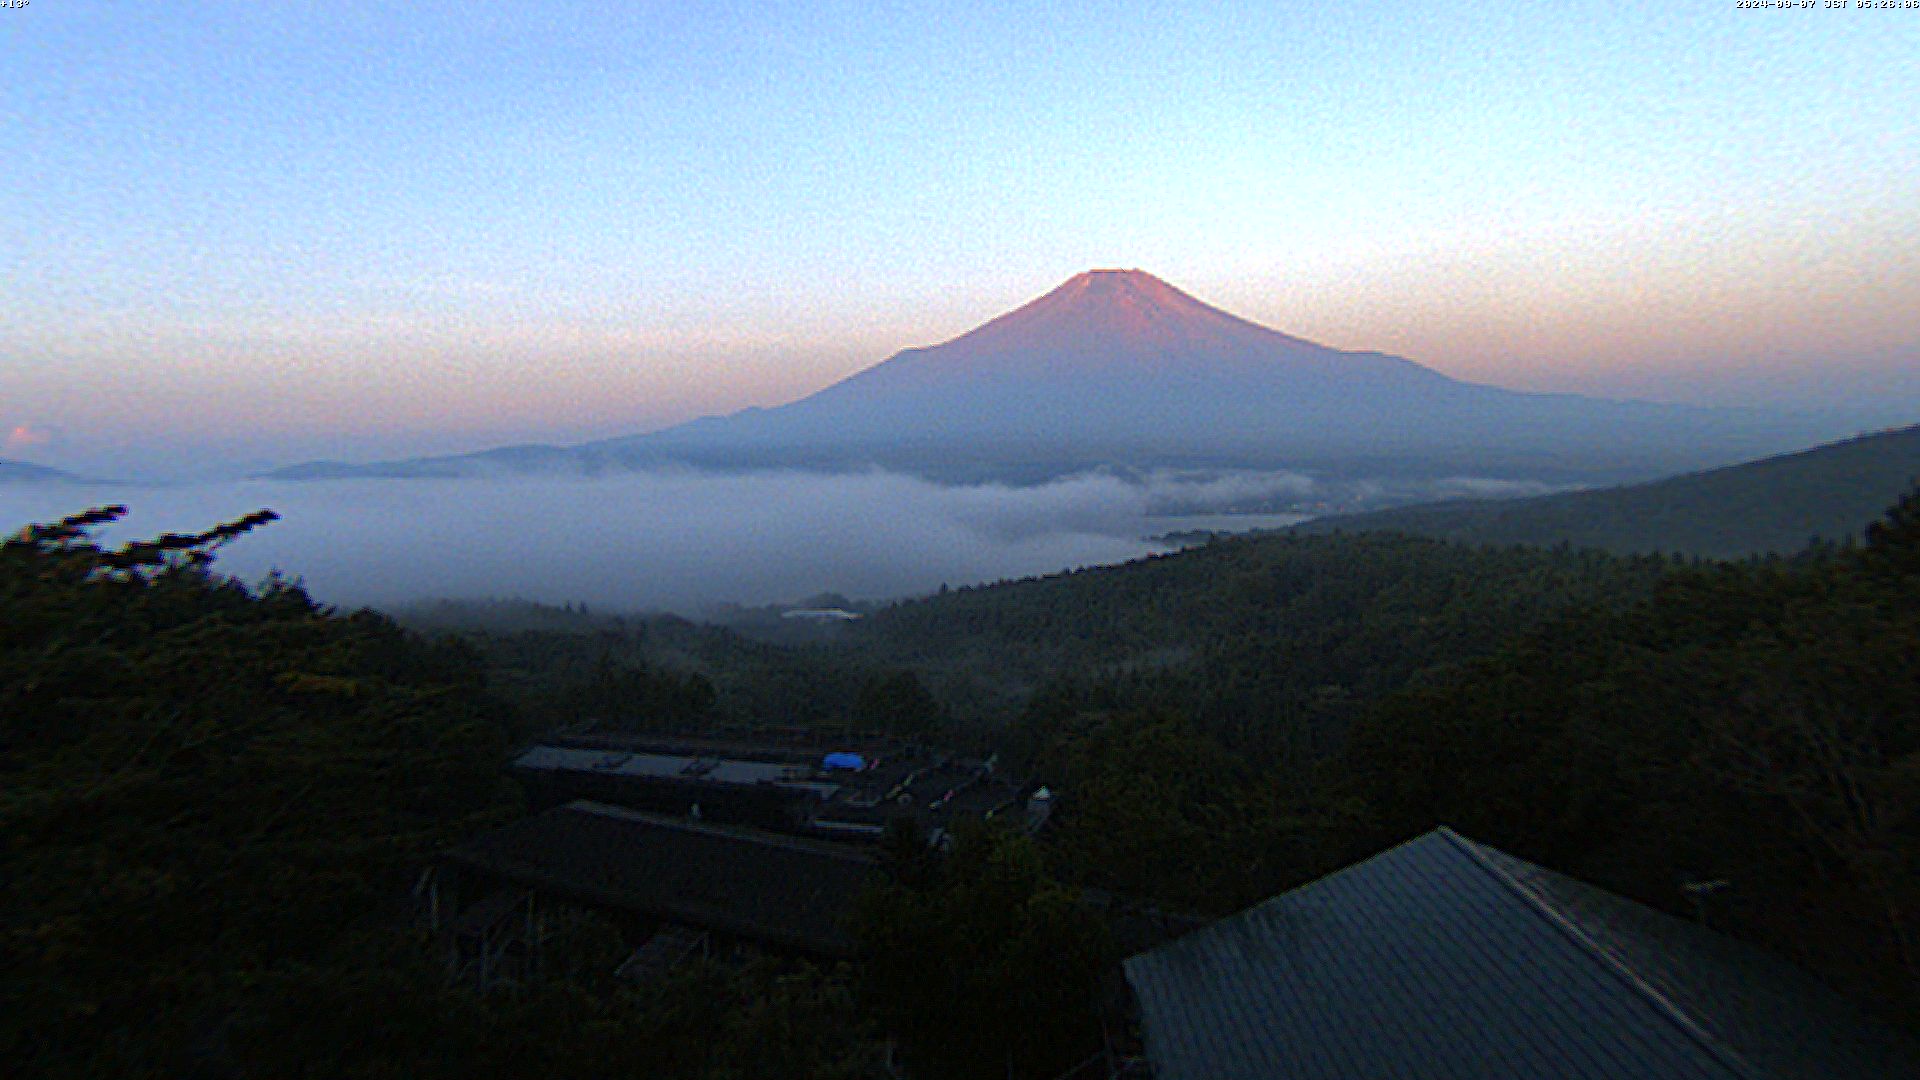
1443,958
763,794
764,888
846,793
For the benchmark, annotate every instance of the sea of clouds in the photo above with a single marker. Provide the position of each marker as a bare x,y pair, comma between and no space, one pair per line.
676,540
685,540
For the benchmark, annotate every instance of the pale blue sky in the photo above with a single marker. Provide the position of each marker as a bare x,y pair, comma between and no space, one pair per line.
238,234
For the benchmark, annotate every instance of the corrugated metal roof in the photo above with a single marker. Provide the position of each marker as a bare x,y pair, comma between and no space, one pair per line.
1445,959
1780,1019
659,766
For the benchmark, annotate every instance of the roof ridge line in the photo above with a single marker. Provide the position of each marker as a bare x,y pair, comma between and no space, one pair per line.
1661,1003
1211,925
743,833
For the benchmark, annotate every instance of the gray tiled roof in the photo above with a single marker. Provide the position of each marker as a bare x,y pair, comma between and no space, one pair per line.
1442,958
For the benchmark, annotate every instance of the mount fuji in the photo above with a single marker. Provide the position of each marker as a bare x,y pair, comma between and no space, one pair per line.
1118,369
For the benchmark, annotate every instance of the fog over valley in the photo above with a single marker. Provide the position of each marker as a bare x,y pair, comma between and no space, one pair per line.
678,540
683,540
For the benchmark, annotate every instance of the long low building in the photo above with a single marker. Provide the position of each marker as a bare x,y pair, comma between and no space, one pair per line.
765,888
1444,959
771,795
842,794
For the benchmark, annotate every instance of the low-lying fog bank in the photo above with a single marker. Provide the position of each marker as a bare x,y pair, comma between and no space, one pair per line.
674,540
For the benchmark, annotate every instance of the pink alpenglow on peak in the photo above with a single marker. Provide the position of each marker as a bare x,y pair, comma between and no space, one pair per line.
1119,319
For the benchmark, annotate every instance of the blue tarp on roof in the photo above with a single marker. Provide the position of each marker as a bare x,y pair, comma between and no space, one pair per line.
844,760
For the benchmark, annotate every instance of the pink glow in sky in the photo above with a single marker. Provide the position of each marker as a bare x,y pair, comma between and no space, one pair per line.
494,229
20,439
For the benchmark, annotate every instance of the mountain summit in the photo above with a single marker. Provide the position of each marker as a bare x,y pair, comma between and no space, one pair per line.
1112,357
1104,323
1119,314
1117,368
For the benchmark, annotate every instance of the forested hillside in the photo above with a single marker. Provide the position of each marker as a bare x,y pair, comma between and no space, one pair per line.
1775,505
1272,642
214,801
1251,634
1743,746
568,667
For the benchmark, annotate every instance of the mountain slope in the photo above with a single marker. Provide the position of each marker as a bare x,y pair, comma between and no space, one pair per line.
1116,368
1109,358
25,472
1773,505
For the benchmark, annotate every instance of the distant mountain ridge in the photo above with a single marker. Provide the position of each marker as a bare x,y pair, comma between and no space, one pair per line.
1775,505
28,472
1118,369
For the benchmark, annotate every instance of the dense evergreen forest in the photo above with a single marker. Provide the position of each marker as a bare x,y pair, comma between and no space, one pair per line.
1269,640
1746,740
216,796
215,800
560,668
1742,745
1254,635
